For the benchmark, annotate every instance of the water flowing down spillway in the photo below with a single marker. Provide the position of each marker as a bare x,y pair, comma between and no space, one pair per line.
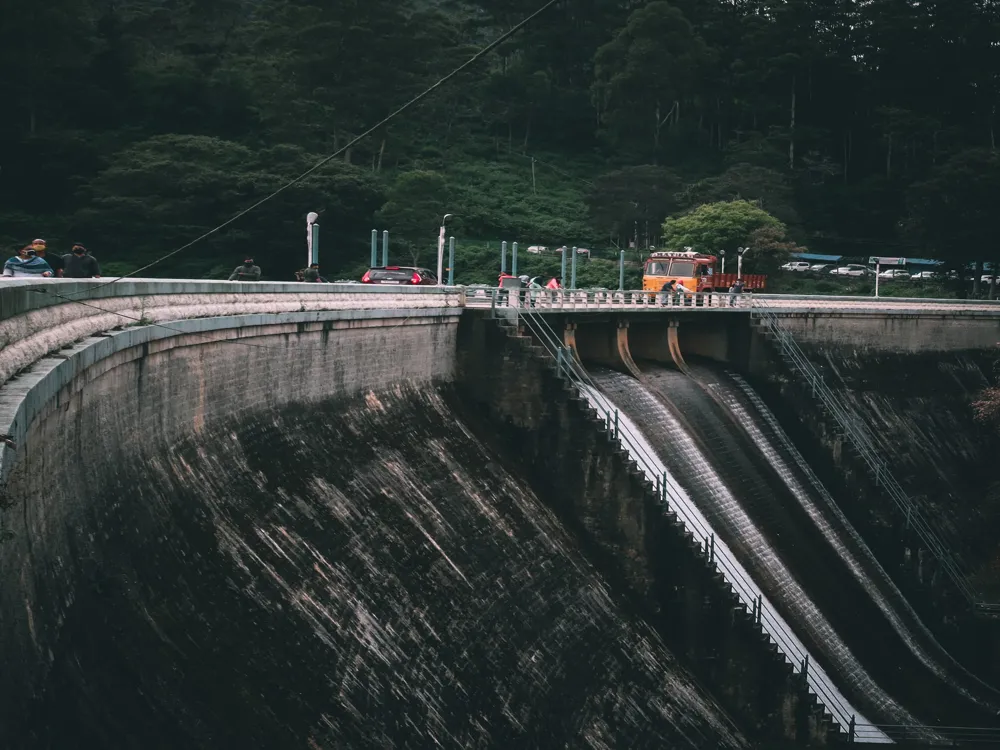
826,584
361,574
664,450
764,430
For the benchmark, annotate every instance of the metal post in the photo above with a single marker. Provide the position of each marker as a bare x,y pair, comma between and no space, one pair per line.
878,267
451,261
616,424
711,555
621,271
850,729
805,668
503,257
314,245
311,218
760,605
664,485
385,248
572,277
374,247
513,259
562,278
440,268
657,485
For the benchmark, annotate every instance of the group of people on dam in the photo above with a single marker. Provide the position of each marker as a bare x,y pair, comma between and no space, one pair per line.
35,261
250,271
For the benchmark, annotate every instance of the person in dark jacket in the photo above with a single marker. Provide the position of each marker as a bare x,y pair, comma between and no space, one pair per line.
311,274
79,264
247,272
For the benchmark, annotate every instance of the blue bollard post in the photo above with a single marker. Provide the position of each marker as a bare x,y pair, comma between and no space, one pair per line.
451,261
513,259
562,278
503,257
374,247
621,271
572,276
385,248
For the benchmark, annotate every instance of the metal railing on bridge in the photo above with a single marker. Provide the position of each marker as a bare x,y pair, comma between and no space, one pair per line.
860,438
545,300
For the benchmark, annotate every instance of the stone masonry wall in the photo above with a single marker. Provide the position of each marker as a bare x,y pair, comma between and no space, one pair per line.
92,407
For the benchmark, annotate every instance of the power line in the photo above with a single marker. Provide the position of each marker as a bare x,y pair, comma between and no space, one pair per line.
419,97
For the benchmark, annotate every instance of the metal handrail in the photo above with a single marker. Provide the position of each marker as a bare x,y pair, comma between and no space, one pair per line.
606,299
864,444
761,610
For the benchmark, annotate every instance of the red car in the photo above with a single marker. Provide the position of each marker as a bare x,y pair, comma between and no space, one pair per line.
399,275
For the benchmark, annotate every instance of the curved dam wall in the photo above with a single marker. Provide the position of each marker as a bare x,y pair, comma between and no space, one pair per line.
291,529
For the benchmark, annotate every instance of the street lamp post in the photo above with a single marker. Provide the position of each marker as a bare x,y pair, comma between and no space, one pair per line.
312,238
740,251
441,251
723,254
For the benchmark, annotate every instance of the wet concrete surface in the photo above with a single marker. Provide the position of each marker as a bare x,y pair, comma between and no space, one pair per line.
363,574
886,671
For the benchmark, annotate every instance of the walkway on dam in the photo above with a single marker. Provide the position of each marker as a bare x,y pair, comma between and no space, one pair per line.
583,300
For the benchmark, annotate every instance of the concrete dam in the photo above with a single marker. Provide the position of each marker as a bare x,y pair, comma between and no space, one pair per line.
334,517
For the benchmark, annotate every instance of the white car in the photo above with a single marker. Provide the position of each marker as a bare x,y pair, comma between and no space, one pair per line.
538,249
926,275
852,269
796,265
821,268
894,273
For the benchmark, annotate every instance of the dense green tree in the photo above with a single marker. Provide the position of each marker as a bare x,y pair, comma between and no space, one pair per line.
718,226
135,127
954,211
647,74
625,203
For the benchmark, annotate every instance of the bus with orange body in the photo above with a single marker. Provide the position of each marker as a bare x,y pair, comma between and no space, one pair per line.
696,271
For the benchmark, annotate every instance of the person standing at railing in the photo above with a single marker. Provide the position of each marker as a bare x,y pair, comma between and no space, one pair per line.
666,290
734,292
683,293
553,286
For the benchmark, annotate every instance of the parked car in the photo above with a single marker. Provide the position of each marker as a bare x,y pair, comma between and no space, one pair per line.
926,275
796,265
894,273
538,249
821,268
399,275
986,279
852,269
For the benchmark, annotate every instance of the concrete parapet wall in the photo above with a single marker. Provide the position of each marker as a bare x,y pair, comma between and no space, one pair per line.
895,332
34,322
173,379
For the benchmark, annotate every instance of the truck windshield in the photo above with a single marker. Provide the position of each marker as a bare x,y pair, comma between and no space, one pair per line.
682,268
656,269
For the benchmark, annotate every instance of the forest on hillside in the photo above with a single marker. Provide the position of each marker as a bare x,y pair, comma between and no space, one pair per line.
866,127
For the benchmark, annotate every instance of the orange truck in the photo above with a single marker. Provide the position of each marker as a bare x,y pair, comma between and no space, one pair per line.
696,271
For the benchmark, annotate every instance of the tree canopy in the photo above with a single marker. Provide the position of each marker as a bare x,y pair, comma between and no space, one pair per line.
136,127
